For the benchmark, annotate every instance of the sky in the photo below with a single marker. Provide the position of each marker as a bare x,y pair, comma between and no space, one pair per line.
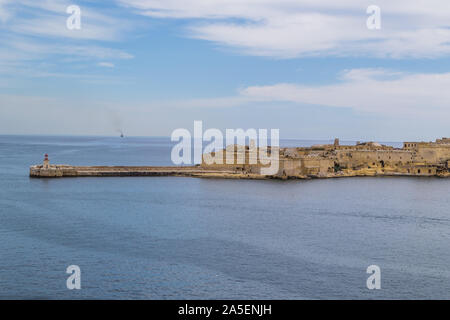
312,69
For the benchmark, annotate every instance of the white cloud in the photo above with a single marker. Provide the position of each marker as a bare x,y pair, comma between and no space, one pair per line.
55,26
106,64
48,19
25,58
369,90
376,91
296,28
33,49
36,32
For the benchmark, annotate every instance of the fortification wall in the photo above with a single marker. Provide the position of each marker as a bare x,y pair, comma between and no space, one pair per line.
373,158
433,153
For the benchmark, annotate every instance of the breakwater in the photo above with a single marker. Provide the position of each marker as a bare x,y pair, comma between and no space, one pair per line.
59,171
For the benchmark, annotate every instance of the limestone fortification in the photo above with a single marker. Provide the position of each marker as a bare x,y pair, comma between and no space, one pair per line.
318,161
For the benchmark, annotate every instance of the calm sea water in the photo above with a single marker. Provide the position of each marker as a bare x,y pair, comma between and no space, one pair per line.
177,238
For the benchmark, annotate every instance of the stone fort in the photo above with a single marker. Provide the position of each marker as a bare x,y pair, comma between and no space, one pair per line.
334,160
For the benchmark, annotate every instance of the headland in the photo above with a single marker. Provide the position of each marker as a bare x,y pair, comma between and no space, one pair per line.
318,161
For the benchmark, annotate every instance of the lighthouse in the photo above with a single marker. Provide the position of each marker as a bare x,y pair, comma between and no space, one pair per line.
46,162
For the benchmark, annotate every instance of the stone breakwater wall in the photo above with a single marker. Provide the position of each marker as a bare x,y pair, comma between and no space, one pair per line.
60,171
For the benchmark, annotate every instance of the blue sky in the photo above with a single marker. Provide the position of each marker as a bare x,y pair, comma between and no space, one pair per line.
309,68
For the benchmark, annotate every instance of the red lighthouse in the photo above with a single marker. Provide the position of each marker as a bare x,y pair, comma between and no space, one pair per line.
46,162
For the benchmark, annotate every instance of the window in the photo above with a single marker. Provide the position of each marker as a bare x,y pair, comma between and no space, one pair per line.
418,171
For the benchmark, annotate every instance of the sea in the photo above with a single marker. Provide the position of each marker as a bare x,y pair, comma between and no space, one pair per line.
196,238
